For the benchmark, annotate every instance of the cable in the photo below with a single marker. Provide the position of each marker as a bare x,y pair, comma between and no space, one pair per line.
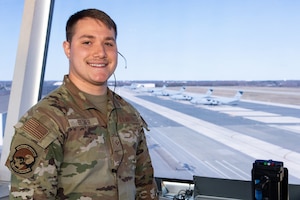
124,59
116,126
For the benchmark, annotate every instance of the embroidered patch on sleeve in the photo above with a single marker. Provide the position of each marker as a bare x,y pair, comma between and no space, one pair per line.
23,159
37,130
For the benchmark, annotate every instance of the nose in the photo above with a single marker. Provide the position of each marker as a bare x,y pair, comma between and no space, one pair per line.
99,51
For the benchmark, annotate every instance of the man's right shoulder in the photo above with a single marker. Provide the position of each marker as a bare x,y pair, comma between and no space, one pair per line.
59,99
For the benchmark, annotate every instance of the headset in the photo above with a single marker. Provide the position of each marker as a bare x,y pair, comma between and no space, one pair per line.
116,138
124,59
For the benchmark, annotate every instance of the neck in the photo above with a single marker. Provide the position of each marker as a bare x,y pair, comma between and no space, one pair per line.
92,89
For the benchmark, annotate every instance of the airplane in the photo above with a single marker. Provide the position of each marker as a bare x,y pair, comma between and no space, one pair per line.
4,90
157,90
219,100
190,96
165,92
172,92
143,89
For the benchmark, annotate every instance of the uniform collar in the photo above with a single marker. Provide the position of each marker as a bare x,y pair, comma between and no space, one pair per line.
84,103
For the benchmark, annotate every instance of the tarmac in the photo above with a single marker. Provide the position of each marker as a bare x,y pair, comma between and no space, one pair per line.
216,124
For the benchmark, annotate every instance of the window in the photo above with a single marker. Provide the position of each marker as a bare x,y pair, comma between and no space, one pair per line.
224,46
10,17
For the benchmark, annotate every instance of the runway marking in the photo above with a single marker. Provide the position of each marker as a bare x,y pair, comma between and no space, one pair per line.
216,169
276,120
292,128
273,104
238,169
260,116
251,113
230,168
250,146
224,108
167,143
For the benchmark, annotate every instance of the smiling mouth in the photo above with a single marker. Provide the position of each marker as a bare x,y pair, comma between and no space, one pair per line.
97,64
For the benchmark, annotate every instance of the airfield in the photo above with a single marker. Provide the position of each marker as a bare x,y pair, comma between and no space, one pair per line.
221,141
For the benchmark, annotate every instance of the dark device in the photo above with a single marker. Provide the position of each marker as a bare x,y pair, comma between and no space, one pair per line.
269,180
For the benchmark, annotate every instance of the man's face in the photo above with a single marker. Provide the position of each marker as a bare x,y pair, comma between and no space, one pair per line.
92,53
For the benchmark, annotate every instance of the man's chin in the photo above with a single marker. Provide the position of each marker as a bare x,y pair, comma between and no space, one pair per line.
100,83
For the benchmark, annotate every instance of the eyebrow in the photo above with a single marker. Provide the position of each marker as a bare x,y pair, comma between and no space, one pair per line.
93,37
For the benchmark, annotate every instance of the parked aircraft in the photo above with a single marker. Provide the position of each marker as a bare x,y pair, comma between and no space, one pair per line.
190,96
4,90
142,88
166,92
172,92
219,100
183,96
156,90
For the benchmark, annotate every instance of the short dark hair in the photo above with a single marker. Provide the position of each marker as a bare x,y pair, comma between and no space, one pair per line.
92,13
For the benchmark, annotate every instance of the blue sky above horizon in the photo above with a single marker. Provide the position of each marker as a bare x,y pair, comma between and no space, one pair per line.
179,40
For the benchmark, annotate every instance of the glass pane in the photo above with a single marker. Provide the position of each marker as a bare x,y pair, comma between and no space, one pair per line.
226,46
10,20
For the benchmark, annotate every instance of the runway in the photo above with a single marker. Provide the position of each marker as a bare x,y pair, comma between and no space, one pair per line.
218,141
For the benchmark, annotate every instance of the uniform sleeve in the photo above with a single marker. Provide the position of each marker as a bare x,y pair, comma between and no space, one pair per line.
145,182
34,160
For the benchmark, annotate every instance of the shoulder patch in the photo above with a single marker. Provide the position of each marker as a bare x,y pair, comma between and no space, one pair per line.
35,129
23,159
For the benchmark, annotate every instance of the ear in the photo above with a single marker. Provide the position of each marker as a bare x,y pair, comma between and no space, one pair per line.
67,47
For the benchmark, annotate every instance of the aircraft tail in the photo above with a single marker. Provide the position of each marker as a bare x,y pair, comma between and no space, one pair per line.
209,92
238,95
182,88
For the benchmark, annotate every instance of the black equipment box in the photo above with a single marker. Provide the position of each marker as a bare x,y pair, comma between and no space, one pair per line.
269,180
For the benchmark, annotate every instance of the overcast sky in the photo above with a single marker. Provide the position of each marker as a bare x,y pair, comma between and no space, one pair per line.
178,40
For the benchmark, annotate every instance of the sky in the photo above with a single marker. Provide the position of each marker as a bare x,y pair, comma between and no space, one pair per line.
178,40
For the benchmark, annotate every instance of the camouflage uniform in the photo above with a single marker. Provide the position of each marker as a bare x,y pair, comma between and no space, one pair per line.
64,148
